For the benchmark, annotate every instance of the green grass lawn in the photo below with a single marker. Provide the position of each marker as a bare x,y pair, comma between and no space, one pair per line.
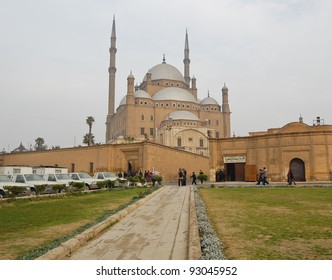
26,224
272,223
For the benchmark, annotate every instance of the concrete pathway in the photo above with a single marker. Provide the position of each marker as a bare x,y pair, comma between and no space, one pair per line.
157,230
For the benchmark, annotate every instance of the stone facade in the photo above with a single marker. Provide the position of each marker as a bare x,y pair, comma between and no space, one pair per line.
143,155
306,149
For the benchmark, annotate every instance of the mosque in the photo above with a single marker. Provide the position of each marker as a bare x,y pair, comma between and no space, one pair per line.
161,124
164,108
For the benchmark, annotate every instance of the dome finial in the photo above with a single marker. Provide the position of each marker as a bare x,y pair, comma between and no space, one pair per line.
164,59
208,93
300,119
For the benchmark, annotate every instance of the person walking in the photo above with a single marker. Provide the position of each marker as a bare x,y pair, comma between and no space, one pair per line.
180,177
264,176
153,178
259,177
193,177
290,177
184,180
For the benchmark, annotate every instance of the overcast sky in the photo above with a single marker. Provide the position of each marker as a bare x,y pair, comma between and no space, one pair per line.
275,56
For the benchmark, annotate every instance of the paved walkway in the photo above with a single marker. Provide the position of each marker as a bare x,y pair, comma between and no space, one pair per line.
158,229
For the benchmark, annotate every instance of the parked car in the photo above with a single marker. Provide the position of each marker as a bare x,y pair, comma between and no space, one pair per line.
106,176
60,178
5,181
90,183
32,180
112,177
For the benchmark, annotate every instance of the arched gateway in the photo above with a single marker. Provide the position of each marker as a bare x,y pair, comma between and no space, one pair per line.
298,168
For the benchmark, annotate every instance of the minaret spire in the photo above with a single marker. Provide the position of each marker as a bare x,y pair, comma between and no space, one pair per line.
186,60
111,85
112,70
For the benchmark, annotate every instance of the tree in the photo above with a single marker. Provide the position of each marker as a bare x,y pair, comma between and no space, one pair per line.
89,139
39,146
89,120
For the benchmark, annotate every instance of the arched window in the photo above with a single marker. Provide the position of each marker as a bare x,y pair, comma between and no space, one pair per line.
179,142
201,142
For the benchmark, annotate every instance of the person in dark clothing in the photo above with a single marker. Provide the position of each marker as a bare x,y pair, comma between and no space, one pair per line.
184,180
180,177
259,177
193,177
264,176
290,177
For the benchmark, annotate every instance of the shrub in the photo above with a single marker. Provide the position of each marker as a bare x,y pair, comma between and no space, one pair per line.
202,177
40,188
101,184
12,191
159,178
59,188
110,184
79,186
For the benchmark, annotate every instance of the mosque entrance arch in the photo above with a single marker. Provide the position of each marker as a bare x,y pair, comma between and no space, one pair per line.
298,168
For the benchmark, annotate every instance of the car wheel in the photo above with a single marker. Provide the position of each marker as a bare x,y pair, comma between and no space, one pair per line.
33,192
117,183
2,194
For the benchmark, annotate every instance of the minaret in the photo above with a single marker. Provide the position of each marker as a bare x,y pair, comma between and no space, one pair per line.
226,112
130,89
186,61
112,71
111,83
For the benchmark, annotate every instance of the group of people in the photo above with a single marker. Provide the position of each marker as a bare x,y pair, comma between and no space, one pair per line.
220,175
262,177
182,177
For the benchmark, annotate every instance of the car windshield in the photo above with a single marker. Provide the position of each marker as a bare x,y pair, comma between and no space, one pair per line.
5,179
109,175
33,177
63,177
84,176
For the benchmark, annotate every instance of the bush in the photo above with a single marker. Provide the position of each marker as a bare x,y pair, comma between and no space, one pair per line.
101,184
40,188
159,178
59,188
202,177
110,184
79,186
12,191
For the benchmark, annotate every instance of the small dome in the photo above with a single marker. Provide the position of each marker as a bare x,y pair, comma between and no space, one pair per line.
173,93
123,101
182,115
165,71
141,94
208,101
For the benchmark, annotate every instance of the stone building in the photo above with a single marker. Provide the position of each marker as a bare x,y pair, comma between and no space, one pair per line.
306,149
164,108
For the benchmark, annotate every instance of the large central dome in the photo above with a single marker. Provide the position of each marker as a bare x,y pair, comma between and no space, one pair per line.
165,71
174,93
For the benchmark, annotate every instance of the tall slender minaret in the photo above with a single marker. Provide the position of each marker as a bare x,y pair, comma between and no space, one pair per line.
111,83
226,112
112,71
186,61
